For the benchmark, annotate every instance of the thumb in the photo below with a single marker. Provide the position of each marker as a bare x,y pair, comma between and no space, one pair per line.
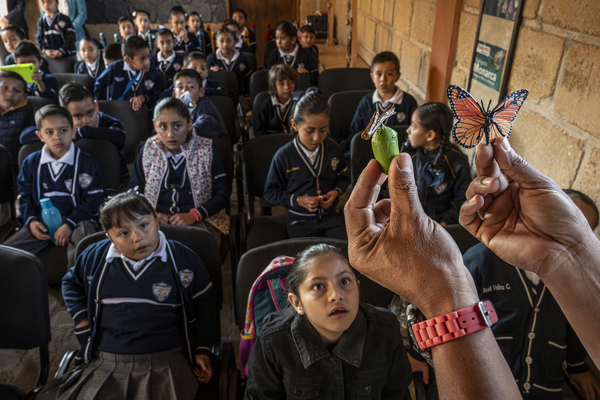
403,190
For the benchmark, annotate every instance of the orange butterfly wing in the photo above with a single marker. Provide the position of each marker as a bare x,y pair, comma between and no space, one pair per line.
504,113
470,128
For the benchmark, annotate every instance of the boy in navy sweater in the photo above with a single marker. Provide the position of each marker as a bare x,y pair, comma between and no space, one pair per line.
63,173
46,85
241,18
112,53
126,28
131,78
166,60
309,35
55,33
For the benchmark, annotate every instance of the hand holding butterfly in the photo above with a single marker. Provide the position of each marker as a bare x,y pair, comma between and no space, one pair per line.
525,218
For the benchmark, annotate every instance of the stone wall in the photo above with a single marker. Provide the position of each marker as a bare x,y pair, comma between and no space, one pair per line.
404,27
557,58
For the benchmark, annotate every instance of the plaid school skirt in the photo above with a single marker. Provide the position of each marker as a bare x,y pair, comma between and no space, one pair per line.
163,375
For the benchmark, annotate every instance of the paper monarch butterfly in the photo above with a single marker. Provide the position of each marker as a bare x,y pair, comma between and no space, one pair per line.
475,123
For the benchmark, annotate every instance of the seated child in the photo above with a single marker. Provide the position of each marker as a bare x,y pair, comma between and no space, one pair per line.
166,60
180,174
307,174
204,114
240,17
196,61
55,32
385,72
229,59
239,43
141,18
532,332
158,346
91,62
185,41
126,28
15,113
196,26
442,171
308,41
112,53
277,110
11,36
26,52
328,344
289,52
131,78
63,173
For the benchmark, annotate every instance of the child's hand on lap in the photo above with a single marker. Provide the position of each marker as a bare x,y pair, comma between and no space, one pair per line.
63,235
162,218
302,71
204,373
215,68
311,203
137,101
183,219
329,198
39,230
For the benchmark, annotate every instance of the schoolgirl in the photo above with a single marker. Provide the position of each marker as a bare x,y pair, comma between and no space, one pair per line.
328,344
185,41
228,58
144,311
141,19
307,174
276,110
196,26
91,62
180,174
442,171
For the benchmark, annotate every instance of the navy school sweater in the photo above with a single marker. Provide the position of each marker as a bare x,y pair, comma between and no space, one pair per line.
51,91
303,59
181,48
82,68
274,119
168,67
12,123
56,34
238,65
211,88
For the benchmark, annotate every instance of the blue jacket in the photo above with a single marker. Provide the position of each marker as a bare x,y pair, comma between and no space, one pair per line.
58,36
212,88
51,91
207,120
11,124
78,16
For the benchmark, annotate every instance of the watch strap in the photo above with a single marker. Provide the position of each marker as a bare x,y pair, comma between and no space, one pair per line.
453,325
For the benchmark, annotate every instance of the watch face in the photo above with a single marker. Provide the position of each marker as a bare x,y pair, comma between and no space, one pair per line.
414,316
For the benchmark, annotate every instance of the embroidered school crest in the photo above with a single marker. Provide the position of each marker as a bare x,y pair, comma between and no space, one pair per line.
334,163
401,117
161,291
441,187
186,276
242,67
62,24
176,67
84,180
68,184
148,84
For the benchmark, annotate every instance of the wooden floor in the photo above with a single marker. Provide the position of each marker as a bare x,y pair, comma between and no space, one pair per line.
334,56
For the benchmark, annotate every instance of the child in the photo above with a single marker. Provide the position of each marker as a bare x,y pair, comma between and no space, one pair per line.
205,117
532,332
126,27
196,61
307,174
196,26
308,41
179,173
63,173
112,53
240,17
15,113
385,72
166,60
442,171
328,344
277,110
131,78
229,59
141,18
185,41
26,52
239,43
11,36
133,298
55,32
289,52
91,62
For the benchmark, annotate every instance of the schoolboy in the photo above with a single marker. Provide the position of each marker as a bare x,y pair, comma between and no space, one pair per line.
126,27
204,114
385,72
15,113
309,35
63,173
239,44
112,53
185,41
166,60
197,61
11,36
131,78
55,32
532,331
26,52
141,18
92,63
241,18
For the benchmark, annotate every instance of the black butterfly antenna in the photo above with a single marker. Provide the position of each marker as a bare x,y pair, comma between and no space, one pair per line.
489,105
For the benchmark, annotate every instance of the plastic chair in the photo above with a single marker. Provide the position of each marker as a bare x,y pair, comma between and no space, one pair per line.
258,100
259,82
137,124
60,65
343,107
251,57
37,102
228,82
464,240
344,79
270,45
226,108
24,312
84,79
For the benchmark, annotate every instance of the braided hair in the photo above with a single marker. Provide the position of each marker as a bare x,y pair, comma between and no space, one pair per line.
437,117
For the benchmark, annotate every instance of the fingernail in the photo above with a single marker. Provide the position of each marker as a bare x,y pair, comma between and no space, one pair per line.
404,162
487,181
471,201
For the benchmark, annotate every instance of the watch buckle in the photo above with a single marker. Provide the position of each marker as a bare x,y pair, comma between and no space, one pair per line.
485,314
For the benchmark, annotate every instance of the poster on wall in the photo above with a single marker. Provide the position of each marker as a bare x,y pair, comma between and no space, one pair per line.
493,48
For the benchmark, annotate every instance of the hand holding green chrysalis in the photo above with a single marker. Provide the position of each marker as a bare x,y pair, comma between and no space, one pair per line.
384,140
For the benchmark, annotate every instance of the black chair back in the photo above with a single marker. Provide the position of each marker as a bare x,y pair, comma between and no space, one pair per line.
251,57
8,194
228,82
343,79
304,82
224,150
3,52
258,100
84,79
137,124
254,261
24,312
60,65
462,237
259,82
37,102
226,108
343,107
269,47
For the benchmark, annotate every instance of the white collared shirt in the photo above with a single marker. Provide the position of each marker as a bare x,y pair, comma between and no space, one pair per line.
51,21
221,57
396,99
57,165
276,101
532,276
92,67
161,58
294,52
127,67
312,155
161,251
176,157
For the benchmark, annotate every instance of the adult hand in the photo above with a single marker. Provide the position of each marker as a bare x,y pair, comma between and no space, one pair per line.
183,219
63,235
394,243
162,218
587,384
204,373
39,230
526,219
311,203
328,199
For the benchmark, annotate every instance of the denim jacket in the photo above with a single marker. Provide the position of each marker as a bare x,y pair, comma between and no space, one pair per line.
289,359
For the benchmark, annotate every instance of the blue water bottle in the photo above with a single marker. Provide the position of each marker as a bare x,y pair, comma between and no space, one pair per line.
51,217
103,40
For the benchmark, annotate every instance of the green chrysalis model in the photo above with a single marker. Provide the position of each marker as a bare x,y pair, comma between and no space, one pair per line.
384,140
